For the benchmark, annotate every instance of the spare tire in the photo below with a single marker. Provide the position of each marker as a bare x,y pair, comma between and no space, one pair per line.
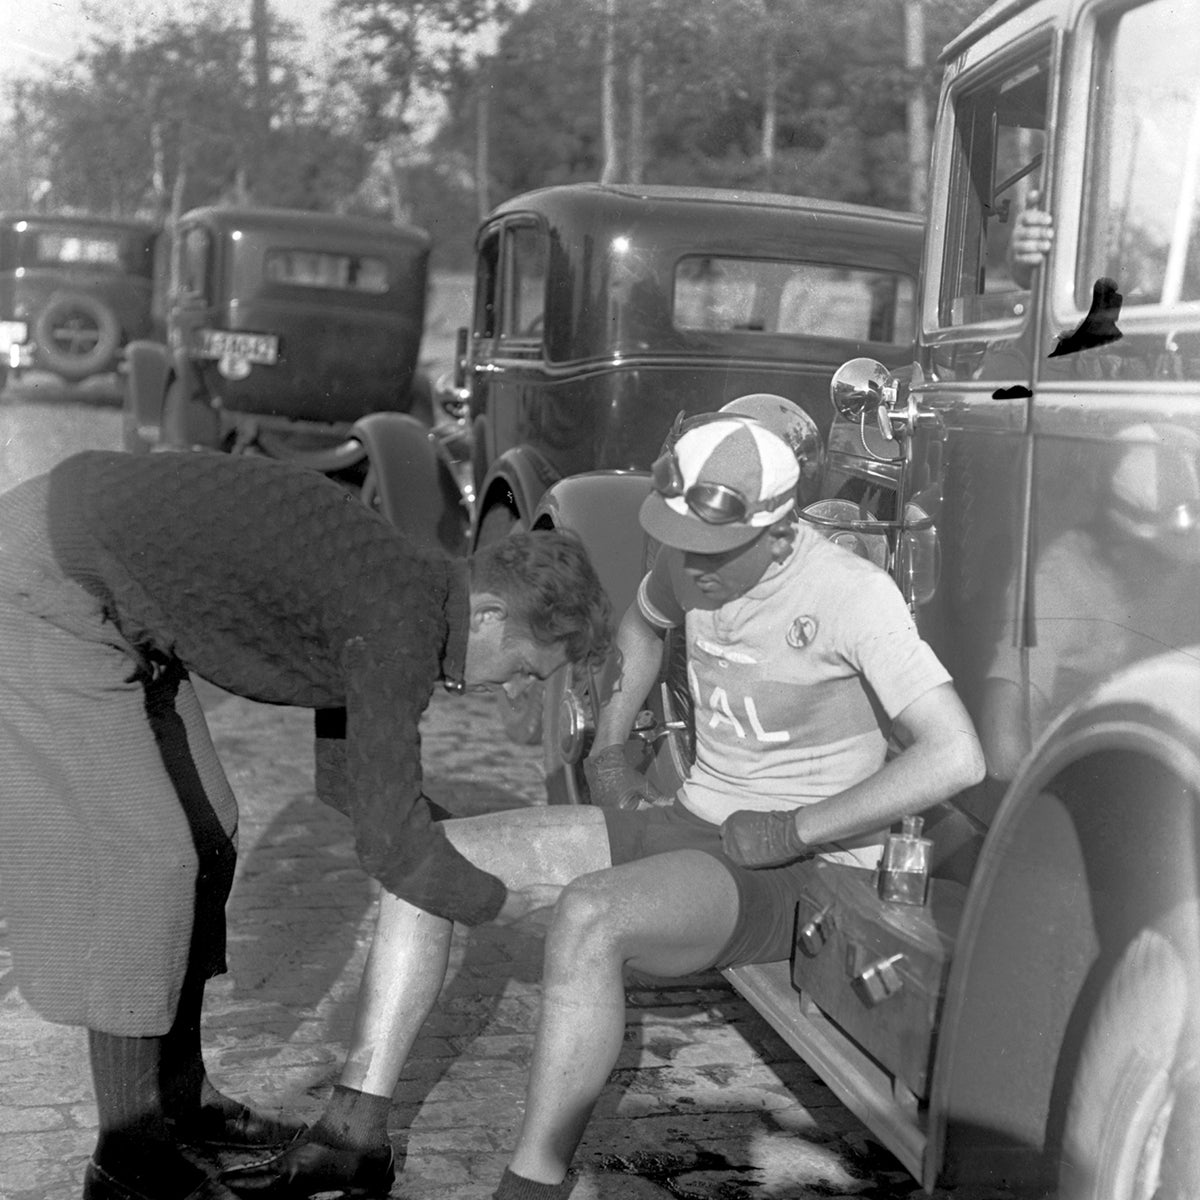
76,335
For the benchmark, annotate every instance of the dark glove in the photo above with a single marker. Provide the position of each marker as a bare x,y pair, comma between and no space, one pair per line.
613,783
762,839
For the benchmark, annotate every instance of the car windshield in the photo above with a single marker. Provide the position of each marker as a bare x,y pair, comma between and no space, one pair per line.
804,299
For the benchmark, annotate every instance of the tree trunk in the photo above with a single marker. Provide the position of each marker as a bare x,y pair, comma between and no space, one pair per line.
917,107
177,193
610,172
158,176
770,112
483,104
260,25
637,117
395,189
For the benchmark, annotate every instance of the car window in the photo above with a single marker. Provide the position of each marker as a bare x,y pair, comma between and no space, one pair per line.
324,269
805,299
525,288
1000,139
1142,226
487,260
194,252
78,246
66,248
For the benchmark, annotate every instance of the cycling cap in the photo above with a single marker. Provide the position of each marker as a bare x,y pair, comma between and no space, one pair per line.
719,486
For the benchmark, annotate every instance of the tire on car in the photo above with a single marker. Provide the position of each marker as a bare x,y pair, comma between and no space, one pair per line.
1131,1123
76,335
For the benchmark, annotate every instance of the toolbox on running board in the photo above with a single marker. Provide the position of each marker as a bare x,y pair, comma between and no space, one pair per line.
874,967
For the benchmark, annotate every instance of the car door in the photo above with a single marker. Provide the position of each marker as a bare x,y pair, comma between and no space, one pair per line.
507,361
971,453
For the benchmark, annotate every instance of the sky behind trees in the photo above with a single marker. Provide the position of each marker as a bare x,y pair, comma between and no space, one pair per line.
41,33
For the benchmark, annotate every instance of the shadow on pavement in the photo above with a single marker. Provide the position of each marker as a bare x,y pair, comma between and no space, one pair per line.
301,914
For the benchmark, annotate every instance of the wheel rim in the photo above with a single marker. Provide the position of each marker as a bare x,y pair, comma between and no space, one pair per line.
575,725
568,729
77,336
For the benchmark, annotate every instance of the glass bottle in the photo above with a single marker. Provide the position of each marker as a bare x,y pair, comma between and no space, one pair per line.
904,871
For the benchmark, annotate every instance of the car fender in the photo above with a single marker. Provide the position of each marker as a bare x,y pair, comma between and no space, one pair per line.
411,477
1095,835
602,508
518,479
148,367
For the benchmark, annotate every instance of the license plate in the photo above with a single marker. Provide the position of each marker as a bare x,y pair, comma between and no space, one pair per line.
262,348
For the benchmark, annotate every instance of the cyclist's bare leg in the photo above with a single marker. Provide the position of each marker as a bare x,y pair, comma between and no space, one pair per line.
667,915
406,966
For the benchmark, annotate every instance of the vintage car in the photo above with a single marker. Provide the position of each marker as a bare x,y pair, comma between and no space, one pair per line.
73,291
603,311
1032,483
283,329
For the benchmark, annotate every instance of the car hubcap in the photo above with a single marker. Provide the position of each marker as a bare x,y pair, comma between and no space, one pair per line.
574,722
76,336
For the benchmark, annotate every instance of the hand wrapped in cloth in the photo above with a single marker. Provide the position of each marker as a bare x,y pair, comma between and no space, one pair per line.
613,783
762,839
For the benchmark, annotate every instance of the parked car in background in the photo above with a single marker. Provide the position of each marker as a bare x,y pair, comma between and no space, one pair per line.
283,329
602,311
1032,483
73,291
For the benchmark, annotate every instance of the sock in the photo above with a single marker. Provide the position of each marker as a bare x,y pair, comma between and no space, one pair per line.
517,1187
125,1071
353,1120
134,1145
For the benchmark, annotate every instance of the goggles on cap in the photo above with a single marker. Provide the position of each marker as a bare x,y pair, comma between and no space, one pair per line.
713,503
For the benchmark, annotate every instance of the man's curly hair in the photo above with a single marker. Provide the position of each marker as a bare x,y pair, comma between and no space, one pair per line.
551,589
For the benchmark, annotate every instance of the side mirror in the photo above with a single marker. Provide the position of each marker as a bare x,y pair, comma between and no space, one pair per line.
857,387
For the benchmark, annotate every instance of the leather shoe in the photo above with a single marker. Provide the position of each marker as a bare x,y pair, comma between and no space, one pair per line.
98,1184
310,1167
233,1126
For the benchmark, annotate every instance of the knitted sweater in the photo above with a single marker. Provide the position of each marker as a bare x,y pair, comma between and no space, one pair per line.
274,583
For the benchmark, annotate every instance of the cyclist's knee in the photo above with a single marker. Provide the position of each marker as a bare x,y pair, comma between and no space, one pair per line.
587,911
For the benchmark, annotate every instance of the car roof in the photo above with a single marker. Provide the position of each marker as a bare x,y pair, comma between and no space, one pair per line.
600,196
991,18
303,221
68,220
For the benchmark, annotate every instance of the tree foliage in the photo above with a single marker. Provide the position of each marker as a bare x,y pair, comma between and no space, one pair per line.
804,96
174,117
836,73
